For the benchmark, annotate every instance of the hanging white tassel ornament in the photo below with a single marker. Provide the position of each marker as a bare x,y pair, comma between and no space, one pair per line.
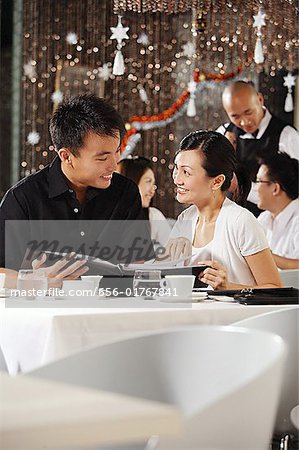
289,82
119,64
259,22
191,108
289,106
258,52
119,33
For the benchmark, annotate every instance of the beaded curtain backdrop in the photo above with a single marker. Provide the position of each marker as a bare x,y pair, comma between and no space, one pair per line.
177,59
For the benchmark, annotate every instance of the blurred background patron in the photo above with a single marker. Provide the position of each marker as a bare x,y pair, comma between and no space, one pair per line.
277,188
140,170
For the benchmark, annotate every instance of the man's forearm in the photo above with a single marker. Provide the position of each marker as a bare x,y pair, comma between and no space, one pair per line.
10,277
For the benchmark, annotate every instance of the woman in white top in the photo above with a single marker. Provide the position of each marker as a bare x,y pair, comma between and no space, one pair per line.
215,230
140,170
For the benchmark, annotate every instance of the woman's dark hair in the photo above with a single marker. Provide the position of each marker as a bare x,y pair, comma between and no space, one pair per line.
219,158
135,167
80,115
284,170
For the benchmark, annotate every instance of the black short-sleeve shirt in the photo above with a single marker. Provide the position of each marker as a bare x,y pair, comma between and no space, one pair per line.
46,196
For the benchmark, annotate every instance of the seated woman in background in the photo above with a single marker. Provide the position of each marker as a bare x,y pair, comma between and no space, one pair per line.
223,235
277,189
140,170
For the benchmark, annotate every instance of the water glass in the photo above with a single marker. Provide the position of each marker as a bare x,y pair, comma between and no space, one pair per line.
32,284
147,283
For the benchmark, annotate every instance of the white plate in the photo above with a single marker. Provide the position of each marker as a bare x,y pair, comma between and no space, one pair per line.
199,295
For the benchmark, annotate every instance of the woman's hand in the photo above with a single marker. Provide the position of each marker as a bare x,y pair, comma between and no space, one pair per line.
215,275
178,248
57,273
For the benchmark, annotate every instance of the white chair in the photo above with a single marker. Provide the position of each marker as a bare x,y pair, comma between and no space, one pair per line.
290,278
39,414
295,417
225,381
284,323
3,365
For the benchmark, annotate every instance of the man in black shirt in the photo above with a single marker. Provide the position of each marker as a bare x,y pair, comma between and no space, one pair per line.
80,185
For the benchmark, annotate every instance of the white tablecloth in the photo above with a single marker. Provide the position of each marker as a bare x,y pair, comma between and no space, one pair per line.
31,337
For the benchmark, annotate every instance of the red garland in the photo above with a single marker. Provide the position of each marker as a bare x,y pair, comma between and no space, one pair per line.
167,113
125,140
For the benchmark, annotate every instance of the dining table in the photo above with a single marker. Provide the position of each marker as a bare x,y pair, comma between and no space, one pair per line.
35,333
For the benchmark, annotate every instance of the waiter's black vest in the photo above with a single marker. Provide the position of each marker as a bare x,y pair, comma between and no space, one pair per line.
249,150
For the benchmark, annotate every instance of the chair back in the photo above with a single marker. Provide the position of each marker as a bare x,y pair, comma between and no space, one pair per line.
295,417
3,365
285,323
225,381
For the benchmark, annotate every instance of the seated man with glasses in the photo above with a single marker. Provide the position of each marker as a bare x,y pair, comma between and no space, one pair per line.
277,189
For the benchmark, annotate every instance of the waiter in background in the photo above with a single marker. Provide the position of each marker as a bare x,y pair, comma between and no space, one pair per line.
258,134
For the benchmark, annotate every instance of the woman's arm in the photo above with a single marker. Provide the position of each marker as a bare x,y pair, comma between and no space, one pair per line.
264,269
261,264
285,263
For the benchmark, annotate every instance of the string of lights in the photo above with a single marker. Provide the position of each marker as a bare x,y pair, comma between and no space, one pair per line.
68,50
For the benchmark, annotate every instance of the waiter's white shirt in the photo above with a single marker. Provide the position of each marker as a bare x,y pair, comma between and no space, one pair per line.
282,231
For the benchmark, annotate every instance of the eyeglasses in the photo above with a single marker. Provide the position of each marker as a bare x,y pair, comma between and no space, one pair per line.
262,181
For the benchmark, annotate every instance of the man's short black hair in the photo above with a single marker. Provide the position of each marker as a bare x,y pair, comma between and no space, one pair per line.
284,170
82,114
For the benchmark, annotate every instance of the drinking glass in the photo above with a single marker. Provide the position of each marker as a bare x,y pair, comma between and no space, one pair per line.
32,284
148,283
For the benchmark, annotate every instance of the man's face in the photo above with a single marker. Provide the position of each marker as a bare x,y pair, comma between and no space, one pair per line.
147,187
244,109
96,161
264,189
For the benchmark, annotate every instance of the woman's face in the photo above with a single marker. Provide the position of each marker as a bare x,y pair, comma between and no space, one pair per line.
147,187
193,184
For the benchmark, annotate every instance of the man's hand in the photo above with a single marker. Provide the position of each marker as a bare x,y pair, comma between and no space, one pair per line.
58,272
178,248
